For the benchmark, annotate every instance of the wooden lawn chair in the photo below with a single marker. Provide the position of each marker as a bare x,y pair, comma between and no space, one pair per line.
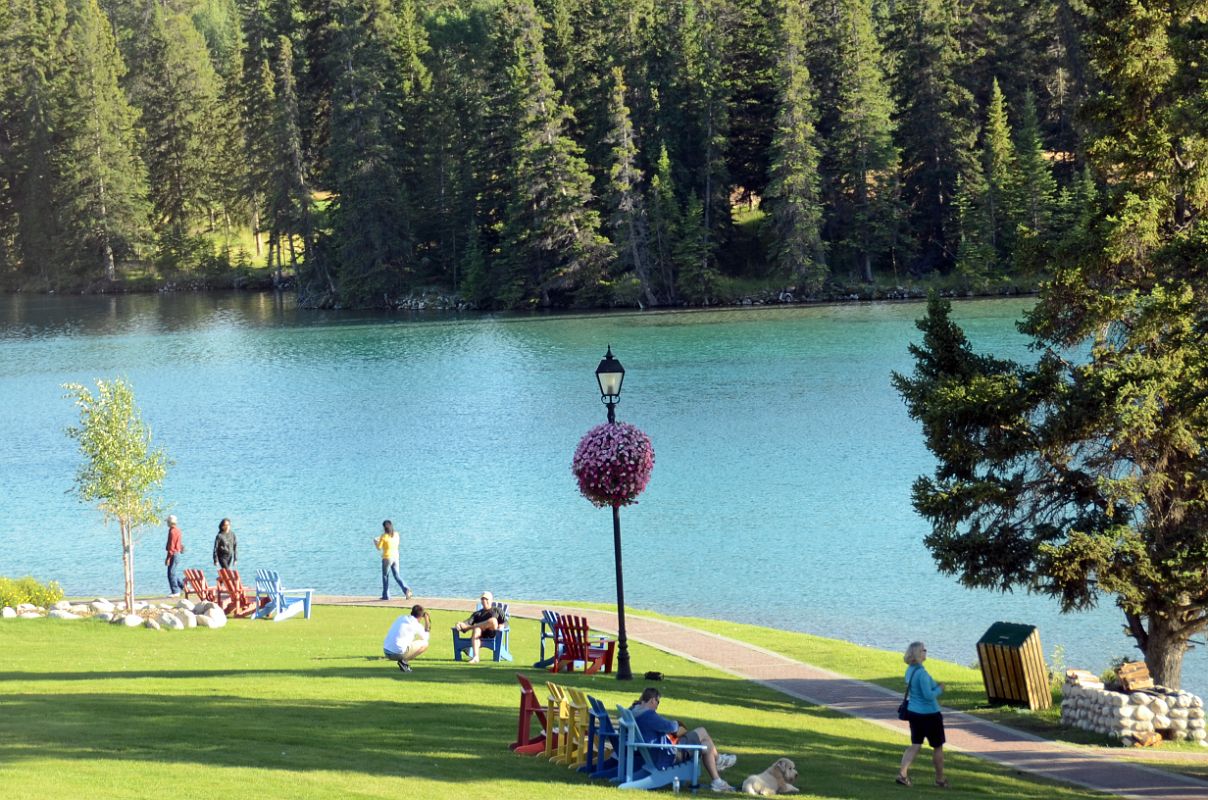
530,709
239,603
281,604
638,770
195,584
576,745
602,737
549,630
577,647
498,644
555,717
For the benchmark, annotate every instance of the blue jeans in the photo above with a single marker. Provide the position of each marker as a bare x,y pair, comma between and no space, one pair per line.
175,582
391,568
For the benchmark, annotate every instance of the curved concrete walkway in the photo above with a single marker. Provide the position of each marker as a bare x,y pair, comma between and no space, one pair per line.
865,701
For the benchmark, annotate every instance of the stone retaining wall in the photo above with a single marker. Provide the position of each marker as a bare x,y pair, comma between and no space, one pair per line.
1172,713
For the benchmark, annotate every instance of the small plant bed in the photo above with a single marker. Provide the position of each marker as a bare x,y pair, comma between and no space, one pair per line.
311,710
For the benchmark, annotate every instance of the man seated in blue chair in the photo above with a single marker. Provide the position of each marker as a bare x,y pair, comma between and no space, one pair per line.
407,638
482,624
658,729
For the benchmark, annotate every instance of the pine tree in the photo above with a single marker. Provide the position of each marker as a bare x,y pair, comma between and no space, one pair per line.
101,185
289,211
551,234
793,191
665,225
934,129
177,90
628,223
976,257
859,162
696,274
999,168
371,247
1036,194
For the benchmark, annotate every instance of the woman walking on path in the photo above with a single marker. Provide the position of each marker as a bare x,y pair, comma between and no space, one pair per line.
923,711
225,546
388,543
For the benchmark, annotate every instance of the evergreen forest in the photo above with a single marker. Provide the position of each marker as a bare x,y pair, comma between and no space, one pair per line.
553,153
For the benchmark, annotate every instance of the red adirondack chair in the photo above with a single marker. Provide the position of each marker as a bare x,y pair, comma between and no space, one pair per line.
530,708
574,635
240,602
195,584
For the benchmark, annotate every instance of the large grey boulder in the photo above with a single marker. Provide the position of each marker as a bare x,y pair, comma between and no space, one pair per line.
8,612
203,607
171,622
215,618
152,624
186,617
59,613
62,605
132,620
29,615
102,605
186,603
104,616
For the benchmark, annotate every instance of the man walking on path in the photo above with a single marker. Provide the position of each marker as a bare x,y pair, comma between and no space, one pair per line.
175,548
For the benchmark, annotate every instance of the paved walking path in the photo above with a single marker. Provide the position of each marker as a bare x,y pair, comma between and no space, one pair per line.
868,702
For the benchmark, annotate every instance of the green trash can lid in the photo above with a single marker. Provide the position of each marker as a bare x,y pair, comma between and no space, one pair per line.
1009,634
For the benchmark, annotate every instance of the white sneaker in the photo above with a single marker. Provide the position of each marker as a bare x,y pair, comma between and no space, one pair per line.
720,785
725,761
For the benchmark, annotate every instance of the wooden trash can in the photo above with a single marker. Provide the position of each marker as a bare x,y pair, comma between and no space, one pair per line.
1012,666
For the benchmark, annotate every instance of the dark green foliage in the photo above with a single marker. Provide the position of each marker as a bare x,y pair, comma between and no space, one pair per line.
793,191
1083,475
628,222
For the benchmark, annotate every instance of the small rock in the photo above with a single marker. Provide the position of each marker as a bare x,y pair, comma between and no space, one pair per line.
8,613
101,604
82,609
152,624
203,607
104,616
171,622
186,617
59,613
186,603
1143,714
132,620
23,607
29,615
62,605
1139,698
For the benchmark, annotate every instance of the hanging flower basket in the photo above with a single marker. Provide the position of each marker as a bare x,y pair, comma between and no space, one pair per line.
613,463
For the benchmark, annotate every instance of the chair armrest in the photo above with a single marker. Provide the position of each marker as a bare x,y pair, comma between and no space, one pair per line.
687,747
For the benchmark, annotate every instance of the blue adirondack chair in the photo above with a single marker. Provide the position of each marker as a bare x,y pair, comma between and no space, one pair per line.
549,630
279,603
498,644
600,732
637,769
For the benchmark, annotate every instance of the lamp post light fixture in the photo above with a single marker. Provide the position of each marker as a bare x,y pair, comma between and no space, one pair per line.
610,375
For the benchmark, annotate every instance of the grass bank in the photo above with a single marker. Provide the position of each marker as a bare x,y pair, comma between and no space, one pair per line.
306,709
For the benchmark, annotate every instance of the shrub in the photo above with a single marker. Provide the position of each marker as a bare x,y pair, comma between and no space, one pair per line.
13,592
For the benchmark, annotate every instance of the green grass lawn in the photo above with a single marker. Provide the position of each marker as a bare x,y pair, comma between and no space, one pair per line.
306,709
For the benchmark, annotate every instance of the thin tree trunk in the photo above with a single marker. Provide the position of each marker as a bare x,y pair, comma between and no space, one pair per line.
128,564
256,230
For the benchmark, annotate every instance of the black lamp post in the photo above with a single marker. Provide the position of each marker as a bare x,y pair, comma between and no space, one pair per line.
610,375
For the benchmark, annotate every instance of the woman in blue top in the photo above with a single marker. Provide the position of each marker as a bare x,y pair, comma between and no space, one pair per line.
926,721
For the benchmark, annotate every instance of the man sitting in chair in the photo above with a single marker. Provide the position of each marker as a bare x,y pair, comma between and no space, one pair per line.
408,637
656,728
482,624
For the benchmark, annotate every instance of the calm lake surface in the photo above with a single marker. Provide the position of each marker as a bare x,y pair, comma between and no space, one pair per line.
780,493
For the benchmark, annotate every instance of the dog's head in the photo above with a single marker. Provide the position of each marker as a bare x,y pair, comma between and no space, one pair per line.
786,768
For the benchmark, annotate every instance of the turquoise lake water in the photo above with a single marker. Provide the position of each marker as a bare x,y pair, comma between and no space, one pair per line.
780,493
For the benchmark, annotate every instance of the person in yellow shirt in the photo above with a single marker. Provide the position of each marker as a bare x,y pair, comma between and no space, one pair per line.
388,543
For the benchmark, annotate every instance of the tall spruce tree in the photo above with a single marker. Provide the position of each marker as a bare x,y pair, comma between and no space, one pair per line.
999,174
100,185
289,207
859,161
176,88
628,222
551,236
1083,478
371,245
665,227
1036,194
793,191
934,128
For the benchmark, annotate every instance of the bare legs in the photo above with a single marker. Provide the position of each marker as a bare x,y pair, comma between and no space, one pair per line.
476,635
709,756
937,758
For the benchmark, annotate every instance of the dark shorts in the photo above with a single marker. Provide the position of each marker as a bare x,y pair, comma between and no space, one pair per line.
927,726
688,738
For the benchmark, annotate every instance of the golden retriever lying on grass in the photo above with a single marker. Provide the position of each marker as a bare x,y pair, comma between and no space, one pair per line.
776,779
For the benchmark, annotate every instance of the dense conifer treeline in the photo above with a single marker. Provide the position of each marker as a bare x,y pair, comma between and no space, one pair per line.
541,152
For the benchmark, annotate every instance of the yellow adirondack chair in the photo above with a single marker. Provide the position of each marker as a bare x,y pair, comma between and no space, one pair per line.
554,721
577,740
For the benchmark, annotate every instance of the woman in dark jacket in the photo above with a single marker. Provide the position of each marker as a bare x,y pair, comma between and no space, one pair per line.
225,547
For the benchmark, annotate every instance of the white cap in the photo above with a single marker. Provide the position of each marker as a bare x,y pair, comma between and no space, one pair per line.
171,519
490,599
